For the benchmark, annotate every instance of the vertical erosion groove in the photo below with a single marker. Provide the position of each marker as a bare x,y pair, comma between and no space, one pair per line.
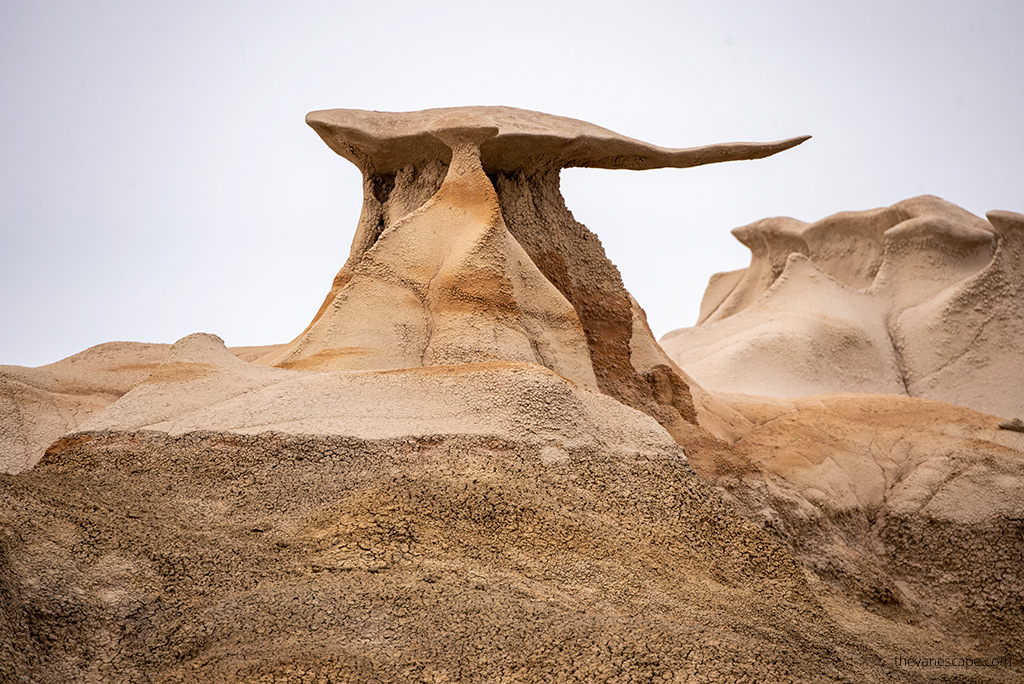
387,197
572,258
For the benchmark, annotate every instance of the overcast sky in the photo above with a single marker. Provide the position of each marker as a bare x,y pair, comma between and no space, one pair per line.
157,178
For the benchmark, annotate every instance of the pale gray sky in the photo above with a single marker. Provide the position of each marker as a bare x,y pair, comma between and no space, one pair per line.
157,179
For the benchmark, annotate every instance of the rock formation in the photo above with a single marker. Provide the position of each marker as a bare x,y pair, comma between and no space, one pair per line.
834,344
465,252
471,467
38,405
921,299
912,507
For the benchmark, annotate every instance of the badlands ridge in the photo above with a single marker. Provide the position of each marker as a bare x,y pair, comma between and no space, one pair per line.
921,299
477,464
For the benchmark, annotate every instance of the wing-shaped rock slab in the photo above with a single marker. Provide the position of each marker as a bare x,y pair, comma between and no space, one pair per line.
389,141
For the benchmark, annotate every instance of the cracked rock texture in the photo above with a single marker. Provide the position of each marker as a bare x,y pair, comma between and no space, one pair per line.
910,507
921,299
140,556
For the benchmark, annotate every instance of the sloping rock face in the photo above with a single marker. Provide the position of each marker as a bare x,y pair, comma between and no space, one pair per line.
834,344
911,507
38,405
921,299
202,386
465,251
140,556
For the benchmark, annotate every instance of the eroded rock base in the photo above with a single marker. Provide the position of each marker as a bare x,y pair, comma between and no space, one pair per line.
216,557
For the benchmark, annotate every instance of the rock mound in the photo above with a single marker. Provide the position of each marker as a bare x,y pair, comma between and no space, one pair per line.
922,299
38,405
202,386
213,557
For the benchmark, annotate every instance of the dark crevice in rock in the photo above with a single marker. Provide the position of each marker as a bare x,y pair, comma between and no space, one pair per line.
382,185
573,259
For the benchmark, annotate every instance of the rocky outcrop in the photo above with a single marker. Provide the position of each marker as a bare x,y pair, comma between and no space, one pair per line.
912,508
38,405
921,299
466,252
139,556
833,344
964,344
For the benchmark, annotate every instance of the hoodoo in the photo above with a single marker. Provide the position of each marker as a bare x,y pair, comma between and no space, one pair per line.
465,252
